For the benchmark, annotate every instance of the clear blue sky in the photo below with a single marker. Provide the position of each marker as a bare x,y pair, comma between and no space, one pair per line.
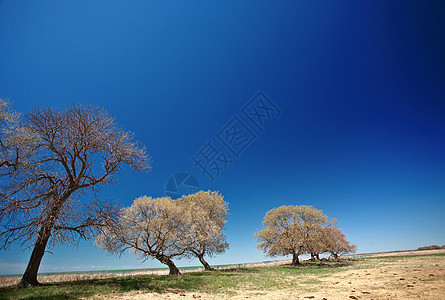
359,84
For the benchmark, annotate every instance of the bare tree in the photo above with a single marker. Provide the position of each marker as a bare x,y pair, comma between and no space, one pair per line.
47,197
149,228
287,230
208,215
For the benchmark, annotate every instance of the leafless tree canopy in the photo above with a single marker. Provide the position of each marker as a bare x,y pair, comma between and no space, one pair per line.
149,228
54,159
165,229
207,213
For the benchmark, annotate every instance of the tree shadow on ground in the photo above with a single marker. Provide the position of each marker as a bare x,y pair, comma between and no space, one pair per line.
319,264
150,283
89,287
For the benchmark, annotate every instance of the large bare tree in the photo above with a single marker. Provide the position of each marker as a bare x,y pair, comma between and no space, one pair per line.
207,216
49,195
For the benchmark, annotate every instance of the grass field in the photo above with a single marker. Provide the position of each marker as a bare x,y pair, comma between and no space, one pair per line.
379,277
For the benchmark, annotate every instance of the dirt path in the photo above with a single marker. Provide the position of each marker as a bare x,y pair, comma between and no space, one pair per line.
418,277
409,278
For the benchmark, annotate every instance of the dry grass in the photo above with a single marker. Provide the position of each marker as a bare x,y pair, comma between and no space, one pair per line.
11,280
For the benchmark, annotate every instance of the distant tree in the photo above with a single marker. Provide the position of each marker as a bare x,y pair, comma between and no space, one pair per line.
336,243
149,228
288,230
58,157
208,216
432,247
14,140
316,242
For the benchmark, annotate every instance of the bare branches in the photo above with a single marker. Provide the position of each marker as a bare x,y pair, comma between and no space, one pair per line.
83,221
149,228
163,228
208,215
48,162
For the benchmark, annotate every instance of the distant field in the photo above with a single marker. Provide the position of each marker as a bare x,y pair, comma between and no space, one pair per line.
120,271
399,275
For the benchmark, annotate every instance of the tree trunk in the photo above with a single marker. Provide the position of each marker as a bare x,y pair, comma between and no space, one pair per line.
29,278
317,256
206,265
167,261
295,260
171,265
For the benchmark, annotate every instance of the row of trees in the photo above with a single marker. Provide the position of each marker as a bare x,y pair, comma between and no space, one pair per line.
192,226
53,163
296,230
163,228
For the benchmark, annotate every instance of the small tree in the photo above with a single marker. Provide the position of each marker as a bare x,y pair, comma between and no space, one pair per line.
288,229
149,228
336,243
57,157
208,216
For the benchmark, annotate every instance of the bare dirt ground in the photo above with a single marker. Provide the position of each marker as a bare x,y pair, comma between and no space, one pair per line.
413,277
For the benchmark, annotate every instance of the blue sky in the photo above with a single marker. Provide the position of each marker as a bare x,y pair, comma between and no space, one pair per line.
359,86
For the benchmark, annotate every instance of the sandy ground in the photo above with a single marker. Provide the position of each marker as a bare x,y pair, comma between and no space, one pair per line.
409,278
